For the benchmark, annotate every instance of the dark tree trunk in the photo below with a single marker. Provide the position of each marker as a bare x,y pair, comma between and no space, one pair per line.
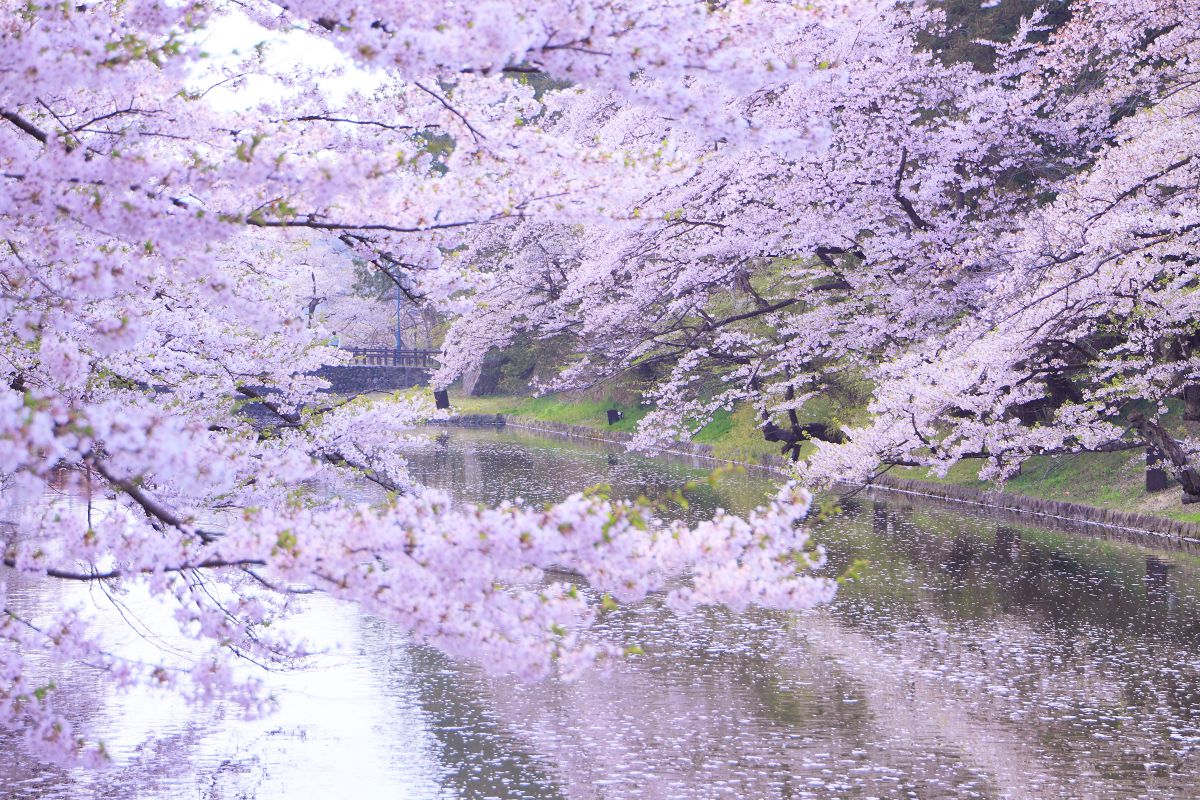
1156,476
796,434
1157,437
1191,402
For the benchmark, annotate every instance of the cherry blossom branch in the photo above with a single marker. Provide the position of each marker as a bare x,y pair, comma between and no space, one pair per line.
446,104
152,507
112,574
25,126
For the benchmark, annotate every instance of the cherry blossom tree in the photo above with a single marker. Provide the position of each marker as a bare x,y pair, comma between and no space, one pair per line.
149,287
1085,326
752,202
997,252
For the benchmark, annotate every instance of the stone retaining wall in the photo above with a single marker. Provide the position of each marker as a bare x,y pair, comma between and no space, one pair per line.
472,421
1107,517
360,379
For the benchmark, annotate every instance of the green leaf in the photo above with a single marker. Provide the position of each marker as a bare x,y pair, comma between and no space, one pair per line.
286,540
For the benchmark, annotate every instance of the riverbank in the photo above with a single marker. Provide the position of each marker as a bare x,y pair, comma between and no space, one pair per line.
1180,526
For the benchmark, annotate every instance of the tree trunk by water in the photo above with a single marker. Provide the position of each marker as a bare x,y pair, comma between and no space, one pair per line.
1191,402
1156,436
1156,476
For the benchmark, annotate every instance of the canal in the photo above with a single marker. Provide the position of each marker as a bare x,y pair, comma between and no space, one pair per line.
972,658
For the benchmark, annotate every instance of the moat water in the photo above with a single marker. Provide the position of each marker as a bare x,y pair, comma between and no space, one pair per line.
972,658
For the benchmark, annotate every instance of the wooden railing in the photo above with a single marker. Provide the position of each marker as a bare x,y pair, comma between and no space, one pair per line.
391,357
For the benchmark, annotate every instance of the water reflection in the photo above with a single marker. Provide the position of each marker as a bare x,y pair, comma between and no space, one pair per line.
973,659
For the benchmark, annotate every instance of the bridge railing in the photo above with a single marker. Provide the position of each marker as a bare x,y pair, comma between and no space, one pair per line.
391,357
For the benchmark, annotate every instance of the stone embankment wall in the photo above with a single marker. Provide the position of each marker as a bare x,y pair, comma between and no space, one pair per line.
1055,509
472,421
360,379
1063,514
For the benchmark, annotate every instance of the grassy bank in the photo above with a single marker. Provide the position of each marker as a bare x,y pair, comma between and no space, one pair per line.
554,408
1106,480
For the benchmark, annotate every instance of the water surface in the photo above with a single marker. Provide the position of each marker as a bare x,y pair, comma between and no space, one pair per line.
974,658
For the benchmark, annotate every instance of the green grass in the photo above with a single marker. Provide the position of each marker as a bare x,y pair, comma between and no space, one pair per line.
1106,480
735,435
554,408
